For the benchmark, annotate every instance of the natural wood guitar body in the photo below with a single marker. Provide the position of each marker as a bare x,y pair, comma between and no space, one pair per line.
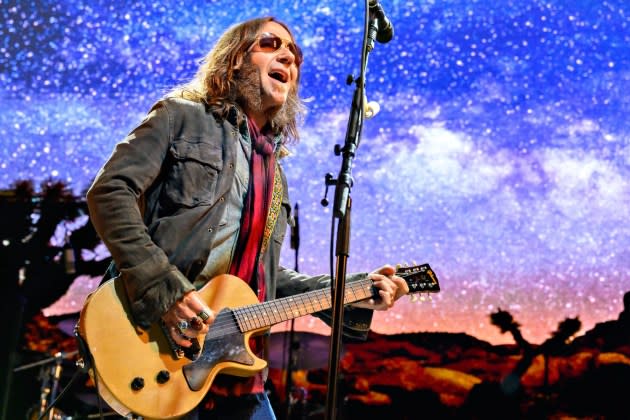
136,371
123,353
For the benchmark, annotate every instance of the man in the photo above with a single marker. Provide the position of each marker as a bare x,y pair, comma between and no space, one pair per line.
196,190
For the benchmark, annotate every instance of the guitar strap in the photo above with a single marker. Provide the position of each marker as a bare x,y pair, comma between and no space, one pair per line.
274,209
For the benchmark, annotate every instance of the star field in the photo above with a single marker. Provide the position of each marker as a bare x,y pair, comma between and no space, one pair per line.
501,153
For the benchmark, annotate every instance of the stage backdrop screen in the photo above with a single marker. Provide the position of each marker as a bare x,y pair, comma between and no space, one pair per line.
500,154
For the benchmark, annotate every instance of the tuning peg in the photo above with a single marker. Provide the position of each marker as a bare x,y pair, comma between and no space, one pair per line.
422,298
413,298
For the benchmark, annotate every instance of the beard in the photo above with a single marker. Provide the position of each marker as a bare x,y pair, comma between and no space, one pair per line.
249,95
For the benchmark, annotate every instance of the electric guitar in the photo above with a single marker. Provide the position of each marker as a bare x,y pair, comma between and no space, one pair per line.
138,371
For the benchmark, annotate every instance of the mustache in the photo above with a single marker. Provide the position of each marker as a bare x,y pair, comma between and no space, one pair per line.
249,93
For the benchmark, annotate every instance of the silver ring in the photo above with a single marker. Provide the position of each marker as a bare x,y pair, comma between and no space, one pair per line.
182,326
203,315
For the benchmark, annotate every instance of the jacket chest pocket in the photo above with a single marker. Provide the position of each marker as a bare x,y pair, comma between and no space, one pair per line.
194,169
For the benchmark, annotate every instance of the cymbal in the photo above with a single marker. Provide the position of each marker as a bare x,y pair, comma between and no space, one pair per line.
310,351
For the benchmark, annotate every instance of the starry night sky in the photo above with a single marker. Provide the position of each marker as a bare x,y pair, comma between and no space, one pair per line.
501,154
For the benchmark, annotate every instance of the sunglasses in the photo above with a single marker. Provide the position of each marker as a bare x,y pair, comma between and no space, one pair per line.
268,42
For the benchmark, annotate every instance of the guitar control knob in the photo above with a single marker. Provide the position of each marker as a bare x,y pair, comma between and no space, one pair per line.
163,376
137,384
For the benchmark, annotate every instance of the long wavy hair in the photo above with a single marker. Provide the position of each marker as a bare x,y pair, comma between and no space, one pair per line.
215,81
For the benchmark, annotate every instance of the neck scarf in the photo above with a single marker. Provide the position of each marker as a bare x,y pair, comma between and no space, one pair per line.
246,262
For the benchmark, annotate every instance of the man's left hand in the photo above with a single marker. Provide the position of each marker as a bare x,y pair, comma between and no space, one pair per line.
390,288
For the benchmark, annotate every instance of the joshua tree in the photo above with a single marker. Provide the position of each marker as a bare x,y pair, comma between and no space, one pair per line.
552,346
506,323
45,272
558,342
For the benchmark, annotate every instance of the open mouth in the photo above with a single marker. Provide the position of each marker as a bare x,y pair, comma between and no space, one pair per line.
279,76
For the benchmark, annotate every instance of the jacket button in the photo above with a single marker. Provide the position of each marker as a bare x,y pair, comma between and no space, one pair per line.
222,199
210,229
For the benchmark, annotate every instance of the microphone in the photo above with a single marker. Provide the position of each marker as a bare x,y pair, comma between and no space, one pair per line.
295,229
385,28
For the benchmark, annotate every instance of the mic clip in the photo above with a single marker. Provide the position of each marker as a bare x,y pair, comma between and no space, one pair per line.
329,180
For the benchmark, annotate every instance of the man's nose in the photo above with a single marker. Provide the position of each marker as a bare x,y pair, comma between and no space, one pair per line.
285,55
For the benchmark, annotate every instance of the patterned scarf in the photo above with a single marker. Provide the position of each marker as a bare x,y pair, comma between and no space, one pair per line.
246,262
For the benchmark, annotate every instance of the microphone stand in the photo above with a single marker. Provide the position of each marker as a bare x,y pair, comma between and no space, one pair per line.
295,244
341,211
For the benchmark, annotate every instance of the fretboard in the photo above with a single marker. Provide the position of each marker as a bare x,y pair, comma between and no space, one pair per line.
264,315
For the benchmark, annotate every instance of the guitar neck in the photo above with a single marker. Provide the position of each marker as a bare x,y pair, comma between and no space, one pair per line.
264,315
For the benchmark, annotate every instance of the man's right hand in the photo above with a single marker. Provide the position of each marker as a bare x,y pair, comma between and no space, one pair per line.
188,318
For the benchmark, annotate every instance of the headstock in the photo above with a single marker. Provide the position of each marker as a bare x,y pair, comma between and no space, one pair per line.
420,279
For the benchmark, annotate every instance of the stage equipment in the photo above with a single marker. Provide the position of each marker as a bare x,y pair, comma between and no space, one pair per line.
376,26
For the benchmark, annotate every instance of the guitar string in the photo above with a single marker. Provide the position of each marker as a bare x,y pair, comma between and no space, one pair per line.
231,325
286,307
282,309
278,307
236,319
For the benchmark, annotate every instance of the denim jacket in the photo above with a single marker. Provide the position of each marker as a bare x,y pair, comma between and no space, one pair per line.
158,202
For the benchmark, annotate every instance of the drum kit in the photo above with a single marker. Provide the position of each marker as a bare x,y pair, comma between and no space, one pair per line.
310,353
53,385
49,376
